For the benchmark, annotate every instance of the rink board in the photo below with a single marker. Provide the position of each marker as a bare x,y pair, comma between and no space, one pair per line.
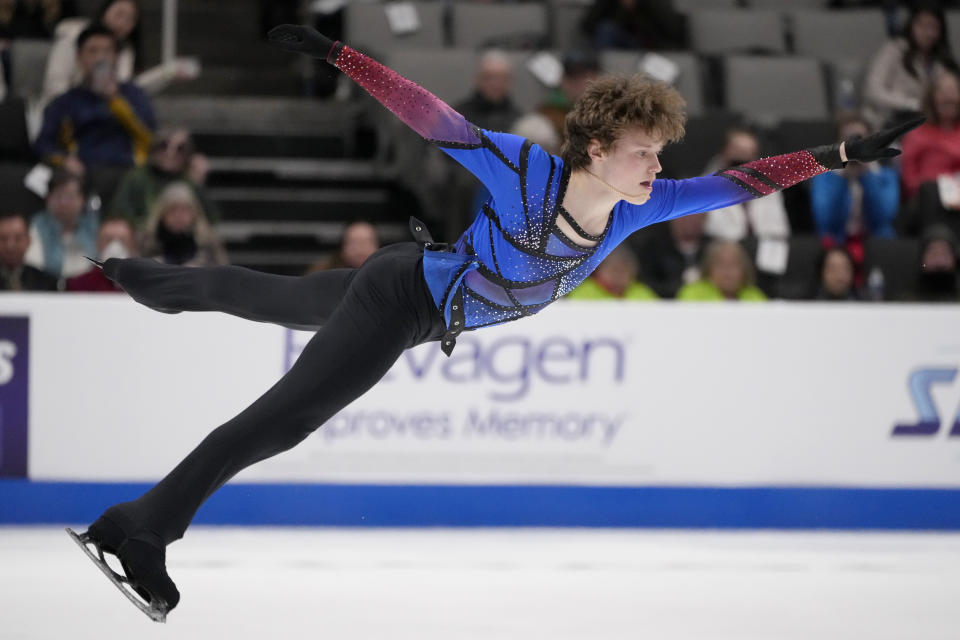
660,414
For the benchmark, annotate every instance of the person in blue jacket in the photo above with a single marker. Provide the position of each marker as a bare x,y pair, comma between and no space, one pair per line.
860,201
548,223
101,122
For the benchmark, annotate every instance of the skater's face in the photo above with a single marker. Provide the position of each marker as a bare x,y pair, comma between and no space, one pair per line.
14,241
630,165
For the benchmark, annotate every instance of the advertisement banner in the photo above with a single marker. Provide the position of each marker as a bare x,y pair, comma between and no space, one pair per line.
14,378
593,394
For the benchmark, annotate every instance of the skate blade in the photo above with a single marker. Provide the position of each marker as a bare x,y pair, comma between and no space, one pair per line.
156,611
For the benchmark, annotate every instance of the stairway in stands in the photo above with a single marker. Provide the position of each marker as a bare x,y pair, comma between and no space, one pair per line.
287,171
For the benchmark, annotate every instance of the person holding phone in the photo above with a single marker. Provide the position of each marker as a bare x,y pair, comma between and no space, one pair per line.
102,123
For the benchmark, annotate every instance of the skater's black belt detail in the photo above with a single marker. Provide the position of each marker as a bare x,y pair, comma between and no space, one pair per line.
458,318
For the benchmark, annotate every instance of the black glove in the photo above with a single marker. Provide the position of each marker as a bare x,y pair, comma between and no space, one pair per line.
300,39
876,146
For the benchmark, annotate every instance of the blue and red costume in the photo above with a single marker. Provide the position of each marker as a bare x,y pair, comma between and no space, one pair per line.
514,260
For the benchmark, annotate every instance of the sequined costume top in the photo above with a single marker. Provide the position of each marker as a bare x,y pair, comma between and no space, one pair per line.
513,260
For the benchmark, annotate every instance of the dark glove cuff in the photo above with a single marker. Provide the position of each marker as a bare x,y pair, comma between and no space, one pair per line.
828,156
334,52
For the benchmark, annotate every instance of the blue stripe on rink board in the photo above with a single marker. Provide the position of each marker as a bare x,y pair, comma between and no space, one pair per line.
26,502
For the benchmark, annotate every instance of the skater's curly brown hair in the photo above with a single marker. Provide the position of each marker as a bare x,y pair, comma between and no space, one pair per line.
614,104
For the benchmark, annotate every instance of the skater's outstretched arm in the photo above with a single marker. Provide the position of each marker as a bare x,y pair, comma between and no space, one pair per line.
767,175
489,155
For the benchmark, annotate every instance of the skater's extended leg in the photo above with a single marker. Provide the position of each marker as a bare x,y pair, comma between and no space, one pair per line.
298,302
387,309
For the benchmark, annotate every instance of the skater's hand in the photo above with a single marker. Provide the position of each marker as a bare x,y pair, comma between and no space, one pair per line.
300,39
877,146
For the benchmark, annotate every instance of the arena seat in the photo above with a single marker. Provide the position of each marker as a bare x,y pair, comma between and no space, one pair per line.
833,35
366,26
507,26
686,6
689,83
716,31
16,197
14,143
769,88
447,74
898,259
953,30
565,17
28,61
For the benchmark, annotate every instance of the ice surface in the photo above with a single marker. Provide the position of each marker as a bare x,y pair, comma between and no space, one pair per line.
504,583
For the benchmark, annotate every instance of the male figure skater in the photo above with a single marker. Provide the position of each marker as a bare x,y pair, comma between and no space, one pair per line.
548,223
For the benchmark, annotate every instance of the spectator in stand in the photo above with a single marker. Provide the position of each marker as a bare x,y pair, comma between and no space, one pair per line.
856,202
103,125
115,239
931,161
937,275
122,18
762,217
614,279
670,255
727,275
579,69
172,159
835,277
15,275
358,242
66,231
933,148
900,72
490,105
634,24
32,18
178,232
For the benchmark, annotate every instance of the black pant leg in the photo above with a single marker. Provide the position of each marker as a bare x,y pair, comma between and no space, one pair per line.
386,310
298,302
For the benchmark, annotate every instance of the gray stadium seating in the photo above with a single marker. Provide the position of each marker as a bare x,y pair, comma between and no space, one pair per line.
450,75
953,31
690,82
447,74
28,61
792,4
365,25
898,259
686,6
736,31
832,35
766,88
565,17
14,141
479,25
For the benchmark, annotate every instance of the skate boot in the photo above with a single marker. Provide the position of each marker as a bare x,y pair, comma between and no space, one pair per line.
142,557
135,275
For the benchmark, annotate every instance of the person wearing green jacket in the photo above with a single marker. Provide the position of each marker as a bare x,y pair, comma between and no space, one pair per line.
614,279
727,275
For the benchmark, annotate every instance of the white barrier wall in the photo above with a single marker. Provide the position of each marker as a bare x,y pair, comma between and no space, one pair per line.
618,394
